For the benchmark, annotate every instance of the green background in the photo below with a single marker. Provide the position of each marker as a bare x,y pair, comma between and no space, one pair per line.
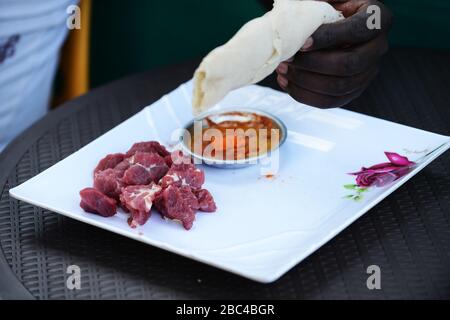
135,35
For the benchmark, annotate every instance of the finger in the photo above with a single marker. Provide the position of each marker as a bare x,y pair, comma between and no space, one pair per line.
342,62
349,8
282,81
320,100
350,31
330,85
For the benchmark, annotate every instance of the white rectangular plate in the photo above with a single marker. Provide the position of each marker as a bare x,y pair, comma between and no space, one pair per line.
263,227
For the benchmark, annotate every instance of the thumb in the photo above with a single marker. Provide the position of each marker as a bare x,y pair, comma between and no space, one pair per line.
350,31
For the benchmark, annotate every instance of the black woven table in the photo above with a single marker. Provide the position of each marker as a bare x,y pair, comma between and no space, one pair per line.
407,235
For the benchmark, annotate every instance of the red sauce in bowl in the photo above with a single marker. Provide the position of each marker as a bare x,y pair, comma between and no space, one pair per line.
237,135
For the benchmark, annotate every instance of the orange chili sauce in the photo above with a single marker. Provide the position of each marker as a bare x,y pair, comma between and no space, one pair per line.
234,143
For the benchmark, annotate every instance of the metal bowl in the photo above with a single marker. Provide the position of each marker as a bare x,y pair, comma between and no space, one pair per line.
234,164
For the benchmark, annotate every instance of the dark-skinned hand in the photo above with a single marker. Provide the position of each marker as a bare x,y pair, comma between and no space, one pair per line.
338,62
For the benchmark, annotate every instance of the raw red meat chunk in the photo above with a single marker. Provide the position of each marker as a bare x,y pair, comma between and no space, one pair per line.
109,182
205,200
122,167
148,175
188,195
184,174
177,203
182,195
178,158
109,162
168,160
138,200
94,201
148,147
145,168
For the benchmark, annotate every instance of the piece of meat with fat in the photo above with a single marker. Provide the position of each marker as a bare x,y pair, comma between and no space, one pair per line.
122,167
131,179
184,174
192,177
148,147
205,200
187,195
109,182
109,162
168,160
145,168
139,200
136,175
93,201
176,204
177,157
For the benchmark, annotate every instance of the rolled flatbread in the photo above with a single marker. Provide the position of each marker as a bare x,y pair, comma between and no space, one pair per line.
258,48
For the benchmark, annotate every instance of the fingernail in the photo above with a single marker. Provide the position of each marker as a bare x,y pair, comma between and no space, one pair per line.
282,68
282,81
308,44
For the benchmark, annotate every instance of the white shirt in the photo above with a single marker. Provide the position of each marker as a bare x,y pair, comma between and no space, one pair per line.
31,35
